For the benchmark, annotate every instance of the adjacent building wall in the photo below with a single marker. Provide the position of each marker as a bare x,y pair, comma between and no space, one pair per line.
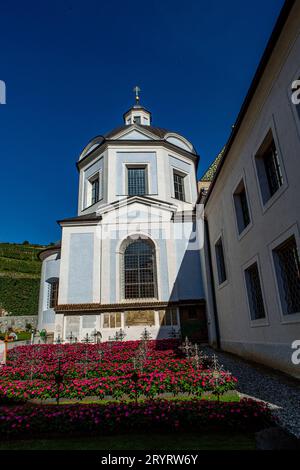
267,341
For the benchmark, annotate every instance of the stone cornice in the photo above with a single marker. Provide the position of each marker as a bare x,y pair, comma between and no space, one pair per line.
98,308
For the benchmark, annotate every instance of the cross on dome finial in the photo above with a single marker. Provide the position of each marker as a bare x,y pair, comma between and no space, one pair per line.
137,96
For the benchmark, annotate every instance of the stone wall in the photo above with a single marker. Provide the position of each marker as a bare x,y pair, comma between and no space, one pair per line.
16,321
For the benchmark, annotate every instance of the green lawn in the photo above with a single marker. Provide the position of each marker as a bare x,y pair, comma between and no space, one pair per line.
179,441
227,397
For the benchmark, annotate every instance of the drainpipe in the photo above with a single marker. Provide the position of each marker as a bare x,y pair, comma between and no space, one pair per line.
212,283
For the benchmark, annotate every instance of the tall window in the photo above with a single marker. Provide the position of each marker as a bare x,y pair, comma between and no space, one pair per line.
287,266
53,294
179,186
241,207
136,181
255,297
272,167
268,168
139,270
220,261
95,190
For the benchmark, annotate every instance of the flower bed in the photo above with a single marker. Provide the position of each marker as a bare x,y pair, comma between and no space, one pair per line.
106,370
157,415
194,383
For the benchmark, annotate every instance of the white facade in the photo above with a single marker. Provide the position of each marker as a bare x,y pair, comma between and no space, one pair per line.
273,220
93,295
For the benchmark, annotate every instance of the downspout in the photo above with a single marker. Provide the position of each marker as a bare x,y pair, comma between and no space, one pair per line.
212,283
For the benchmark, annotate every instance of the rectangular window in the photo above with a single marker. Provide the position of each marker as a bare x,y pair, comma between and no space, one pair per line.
136,180
137,119
287,266
241,207
220,261
268,168
95,190
255,297
179,186
112,320
168,317
272,169
53,294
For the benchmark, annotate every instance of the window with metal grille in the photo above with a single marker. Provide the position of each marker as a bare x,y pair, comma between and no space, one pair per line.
268,168
255,297
95,190
136,180
241,207
179,186
287,265
139,270
53,294
220,261
272,167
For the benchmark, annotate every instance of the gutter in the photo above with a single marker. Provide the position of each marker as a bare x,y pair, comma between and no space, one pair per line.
212,283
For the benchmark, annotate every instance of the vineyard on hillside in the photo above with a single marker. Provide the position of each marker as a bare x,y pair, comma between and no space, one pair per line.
19,278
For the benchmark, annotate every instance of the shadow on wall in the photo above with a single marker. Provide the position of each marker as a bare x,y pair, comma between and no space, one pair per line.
188,291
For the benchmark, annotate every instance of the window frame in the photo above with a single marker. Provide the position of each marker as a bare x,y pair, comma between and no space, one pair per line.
125,245
137,117
279,240
259,322
89,188
53,285
241,232
92,182
109,320
182,175
136,166
266,204
219,240
172,311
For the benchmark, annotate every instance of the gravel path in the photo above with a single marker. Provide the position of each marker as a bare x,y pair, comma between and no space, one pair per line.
258,382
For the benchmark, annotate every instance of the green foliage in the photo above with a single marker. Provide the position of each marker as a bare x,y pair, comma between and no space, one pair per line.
19,296
20,252
9,265
20,271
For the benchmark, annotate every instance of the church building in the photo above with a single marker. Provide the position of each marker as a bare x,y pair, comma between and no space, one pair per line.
130,258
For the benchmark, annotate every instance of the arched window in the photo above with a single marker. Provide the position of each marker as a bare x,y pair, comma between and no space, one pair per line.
139,270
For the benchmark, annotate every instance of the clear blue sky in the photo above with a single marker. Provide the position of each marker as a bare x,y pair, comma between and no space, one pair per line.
70,66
